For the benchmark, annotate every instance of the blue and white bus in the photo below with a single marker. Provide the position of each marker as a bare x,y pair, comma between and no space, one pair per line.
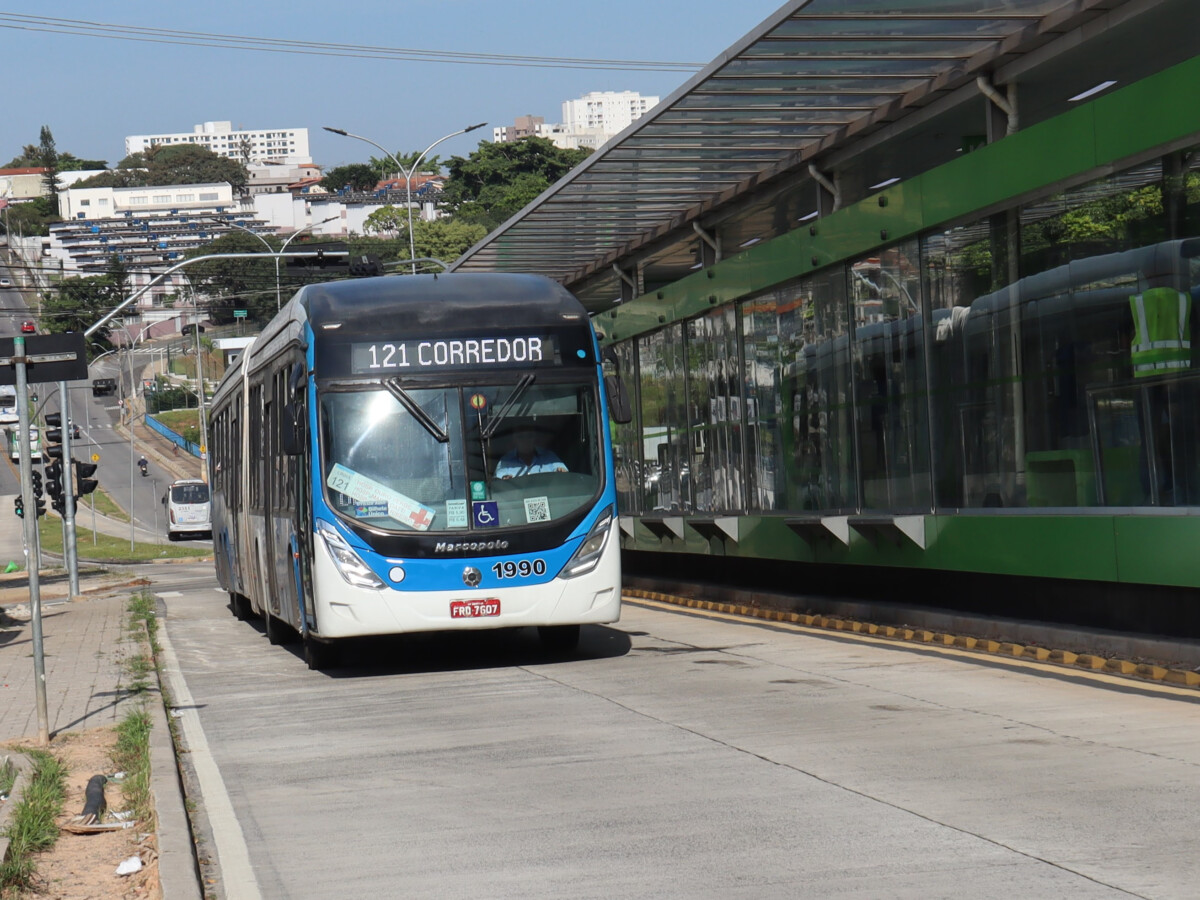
419,453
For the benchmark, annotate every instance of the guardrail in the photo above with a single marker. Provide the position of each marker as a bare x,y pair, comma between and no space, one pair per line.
177,439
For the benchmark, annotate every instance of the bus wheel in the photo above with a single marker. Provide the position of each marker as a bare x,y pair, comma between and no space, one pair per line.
240,606
274,628
559,638
319,655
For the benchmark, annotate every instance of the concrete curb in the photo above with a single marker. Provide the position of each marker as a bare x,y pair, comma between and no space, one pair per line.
1067,658
178,868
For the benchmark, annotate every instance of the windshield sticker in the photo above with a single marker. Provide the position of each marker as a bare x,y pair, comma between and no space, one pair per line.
370,510
537,509
478,490
456,513
368,491
486,512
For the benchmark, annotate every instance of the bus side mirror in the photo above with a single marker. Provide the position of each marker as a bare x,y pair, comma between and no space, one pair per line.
164,499
618,400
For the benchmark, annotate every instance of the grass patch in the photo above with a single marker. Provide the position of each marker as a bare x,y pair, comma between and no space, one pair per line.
8,777
105,506
179,420
105,546
32,828
141,609
131,755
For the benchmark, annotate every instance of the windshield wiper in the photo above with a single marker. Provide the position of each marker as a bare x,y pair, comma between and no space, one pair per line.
414,409
526,381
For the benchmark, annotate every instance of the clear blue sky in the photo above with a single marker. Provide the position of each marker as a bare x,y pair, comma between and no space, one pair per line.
93,91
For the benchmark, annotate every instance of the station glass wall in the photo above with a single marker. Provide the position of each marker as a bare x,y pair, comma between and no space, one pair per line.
985,366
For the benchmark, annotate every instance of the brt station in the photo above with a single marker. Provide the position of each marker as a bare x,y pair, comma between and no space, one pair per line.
903,294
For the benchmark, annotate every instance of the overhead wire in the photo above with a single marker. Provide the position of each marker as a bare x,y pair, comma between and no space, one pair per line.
46,24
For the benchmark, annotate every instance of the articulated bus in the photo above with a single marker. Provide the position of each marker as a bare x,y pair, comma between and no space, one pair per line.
419,453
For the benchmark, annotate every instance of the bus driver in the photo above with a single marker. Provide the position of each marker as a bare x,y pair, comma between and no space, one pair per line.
527,458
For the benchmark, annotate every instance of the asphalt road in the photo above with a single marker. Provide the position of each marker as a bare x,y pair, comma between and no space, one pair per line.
677,755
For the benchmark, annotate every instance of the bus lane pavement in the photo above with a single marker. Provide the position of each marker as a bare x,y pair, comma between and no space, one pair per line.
679,755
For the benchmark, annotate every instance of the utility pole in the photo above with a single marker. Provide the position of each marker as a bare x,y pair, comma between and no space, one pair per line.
32,545
203,409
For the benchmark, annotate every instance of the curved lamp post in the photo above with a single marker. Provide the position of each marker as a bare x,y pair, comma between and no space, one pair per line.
407,173
291,237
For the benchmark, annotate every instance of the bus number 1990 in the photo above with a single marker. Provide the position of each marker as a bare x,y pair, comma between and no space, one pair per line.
522,569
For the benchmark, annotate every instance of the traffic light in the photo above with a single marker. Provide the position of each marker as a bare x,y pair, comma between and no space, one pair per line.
19,506
365,265
84,483
53,444
54,485
37,495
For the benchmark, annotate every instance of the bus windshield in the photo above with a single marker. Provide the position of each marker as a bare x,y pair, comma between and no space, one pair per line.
462,458
189,493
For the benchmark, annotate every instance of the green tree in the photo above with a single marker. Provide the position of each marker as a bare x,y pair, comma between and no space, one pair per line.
498,179
174,164
386,167
68,162
78,303
386,218
32,217
48,155
229,284
359,177
446,239
28,158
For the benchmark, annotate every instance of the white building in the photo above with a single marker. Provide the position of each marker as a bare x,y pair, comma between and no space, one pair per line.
284,146
610,112
268,178
587,122
108,202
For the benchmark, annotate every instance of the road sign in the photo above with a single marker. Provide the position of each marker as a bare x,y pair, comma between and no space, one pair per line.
239,313
48,357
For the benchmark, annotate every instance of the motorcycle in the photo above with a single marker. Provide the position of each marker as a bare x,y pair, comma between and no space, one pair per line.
144,466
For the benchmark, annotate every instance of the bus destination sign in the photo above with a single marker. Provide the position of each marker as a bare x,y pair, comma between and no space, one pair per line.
431,355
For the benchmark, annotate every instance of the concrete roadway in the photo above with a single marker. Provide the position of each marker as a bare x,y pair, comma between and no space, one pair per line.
677,754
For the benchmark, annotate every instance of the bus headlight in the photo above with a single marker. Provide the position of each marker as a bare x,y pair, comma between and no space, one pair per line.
348,563
588,555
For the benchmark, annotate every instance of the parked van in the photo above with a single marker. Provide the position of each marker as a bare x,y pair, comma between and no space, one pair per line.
189,508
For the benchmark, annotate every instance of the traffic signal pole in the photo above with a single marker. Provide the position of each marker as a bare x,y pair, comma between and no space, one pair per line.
70,551
32,545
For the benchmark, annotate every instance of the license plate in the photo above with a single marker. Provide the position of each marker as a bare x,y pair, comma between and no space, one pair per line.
474,609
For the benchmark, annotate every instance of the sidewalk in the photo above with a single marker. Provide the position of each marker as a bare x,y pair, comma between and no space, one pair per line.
86,646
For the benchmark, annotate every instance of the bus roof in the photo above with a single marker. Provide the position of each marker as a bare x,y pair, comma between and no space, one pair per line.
414,302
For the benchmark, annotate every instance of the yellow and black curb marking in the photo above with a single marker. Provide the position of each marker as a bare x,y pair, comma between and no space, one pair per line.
1093,662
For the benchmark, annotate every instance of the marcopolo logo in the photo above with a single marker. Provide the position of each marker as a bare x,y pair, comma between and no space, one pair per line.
462,546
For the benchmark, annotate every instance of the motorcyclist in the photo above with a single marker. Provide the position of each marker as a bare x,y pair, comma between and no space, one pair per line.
143,464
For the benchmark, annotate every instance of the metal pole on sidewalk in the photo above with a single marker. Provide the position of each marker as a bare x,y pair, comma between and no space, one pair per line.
68,482
32,543
203,411
129,407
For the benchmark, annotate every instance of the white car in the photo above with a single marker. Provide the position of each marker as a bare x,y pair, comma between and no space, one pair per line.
4,282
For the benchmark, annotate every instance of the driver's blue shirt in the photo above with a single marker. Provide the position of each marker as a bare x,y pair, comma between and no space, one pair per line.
512,466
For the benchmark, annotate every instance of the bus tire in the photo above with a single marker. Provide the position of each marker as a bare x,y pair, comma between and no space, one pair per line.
240,606
320,655
559,638
273,627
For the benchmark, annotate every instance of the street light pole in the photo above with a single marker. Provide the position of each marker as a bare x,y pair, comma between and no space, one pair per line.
295,234
407,173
